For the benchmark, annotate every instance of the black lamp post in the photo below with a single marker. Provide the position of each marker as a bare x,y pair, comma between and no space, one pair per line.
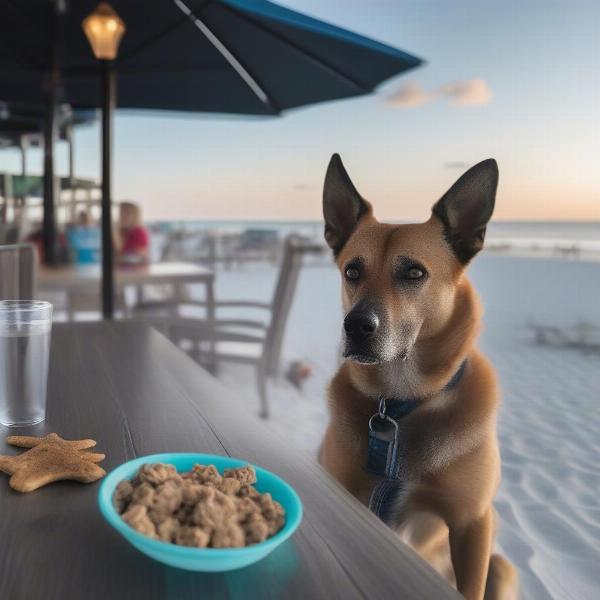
104,30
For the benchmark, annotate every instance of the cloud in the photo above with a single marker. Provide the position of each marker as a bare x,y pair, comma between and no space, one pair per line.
410,94
473,92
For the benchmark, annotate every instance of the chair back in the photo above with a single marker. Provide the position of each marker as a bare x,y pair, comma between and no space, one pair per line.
17,272
285,288
9,234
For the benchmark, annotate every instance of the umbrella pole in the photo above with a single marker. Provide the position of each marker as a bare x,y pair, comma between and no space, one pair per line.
108,105
50,136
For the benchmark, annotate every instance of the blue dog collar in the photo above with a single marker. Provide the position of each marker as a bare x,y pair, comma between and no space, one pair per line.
384,447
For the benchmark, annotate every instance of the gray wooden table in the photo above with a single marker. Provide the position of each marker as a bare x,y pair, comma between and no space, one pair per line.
129,388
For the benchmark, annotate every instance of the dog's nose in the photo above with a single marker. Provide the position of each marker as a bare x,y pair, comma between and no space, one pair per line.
361,325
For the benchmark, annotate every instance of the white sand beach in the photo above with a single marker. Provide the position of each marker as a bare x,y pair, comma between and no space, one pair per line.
549,425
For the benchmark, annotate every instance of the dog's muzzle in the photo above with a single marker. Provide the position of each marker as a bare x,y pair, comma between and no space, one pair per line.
360,326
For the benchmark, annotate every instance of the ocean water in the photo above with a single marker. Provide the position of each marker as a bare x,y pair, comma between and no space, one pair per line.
545,237
584,235
558,231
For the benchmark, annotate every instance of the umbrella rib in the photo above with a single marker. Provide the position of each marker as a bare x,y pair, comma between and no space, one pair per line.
298,48
228,55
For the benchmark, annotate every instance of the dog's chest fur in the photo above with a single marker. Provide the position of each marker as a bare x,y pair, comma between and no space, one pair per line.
433,437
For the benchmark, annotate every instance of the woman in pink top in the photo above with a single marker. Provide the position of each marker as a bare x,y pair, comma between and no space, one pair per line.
131,239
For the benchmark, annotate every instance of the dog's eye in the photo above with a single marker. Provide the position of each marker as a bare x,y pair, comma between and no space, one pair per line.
414,273
352,273
409,271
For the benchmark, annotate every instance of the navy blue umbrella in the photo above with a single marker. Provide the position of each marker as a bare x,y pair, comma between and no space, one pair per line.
227,56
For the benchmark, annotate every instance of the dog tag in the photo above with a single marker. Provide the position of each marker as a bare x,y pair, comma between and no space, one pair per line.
382,445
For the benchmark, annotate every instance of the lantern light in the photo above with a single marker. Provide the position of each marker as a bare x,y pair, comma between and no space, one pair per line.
104,29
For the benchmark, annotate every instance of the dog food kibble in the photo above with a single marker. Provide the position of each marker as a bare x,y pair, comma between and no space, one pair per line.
201,508
245,475
123,495
157,474
137,516
187,535
167,529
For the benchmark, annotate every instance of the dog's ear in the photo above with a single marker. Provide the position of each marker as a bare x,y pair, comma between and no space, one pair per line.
466,208
343,206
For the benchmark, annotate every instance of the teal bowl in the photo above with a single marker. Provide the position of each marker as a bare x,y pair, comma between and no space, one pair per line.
201,559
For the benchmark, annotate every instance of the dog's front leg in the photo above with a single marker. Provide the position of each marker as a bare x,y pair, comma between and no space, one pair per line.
470,549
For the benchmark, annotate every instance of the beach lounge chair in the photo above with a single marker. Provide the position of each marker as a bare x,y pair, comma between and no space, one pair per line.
17,272
242,340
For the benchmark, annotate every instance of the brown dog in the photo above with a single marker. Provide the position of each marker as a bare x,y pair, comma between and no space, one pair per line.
413,406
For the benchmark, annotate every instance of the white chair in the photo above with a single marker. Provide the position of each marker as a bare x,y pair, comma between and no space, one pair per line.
245,341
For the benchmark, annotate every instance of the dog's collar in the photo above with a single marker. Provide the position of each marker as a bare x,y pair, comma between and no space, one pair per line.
396,408
383,454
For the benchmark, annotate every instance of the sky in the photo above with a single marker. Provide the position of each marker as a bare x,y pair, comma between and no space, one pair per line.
517,81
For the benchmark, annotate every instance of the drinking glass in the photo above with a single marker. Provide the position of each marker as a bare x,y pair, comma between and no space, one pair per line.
24,352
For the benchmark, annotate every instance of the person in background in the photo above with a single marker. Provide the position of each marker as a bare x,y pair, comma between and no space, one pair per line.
131,239
84,239
84,220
